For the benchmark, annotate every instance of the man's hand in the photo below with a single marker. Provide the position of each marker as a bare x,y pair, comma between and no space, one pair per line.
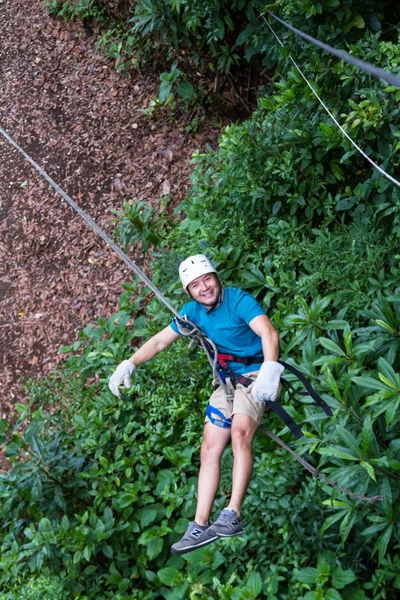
121,375
266,386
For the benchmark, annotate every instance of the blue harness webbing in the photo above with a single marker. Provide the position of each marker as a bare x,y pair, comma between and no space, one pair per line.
222,421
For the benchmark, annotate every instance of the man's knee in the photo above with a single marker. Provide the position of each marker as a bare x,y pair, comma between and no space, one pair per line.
242,437
213,445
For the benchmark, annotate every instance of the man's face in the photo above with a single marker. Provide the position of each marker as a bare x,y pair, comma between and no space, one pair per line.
205,289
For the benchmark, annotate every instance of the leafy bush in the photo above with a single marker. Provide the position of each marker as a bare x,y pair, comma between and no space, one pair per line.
100,487
42,588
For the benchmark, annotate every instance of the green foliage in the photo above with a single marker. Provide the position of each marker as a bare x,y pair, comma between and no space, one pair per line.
42,588
100,487
140,223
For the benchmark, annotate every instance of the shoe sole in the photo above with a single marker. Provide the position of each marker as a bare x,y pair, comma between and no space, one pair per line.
191,548
230,534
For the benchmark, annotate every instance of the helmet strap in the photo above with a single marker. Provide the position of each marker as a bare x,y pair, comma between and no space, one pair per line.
218,301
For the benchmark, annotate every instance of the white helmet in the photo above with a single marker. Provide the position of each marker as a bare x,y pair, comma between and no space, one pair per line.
193,267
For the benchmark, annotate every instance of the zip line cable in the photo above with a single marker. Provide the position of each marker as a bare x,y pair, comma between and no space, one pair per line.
130,263
356,146
357,62
191,330
184,325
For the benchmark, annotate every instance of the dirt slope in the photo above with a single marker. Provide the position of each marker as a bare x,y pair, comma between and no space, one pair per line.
65,105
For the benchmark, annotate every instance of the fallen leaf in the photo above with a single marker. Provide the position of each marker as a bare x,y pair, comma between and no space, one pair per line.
166,187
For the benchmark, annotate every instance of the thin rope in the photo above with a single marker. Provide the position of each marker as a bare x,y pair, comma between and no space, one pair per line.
356,146
357,62
191,330
314,472
129,262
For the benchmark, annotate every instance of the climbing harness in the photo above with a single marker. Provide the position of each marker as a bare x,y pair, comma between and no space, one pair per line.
276,407
338,125
220,420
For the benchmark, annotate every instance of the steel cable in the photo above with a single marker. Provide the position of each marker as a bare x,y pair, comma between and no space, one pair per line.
356,146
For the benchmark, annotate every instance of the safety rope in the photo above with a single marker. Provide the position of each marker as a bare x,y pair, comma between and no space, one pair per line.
357,62
314,472
191,330
129,262
356,146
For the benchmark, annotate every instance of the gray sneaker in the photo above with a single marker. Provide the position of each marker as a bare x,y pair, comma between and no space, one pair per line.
228,524
196,536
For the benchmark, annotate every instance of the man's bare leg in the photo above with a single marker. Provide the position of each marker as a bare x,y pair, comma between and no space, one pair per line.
214,443
243,431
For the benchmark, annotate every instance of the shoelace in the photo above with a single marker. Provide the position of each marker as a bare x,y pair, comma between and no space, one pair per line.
226,515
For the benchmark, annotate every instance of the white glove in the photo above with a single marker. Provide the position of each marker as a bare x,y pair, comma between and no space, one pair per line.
266,386
121,375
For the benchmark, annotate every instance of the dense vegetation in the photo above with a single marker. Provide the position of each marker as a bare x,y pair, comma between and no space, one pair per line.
288,210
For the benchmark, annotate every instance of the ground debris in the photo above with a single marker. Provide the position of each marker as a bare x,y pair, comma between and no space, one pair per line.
78,118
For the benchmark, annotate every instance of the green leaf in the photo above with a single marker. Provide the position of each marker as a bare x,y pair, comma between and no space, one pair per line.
331,346
218,559
165,90
388,372
366,435
374,23
382,543
154,547
308,575
244,35
169,576
341,578
125,499
359,22
332,519
337,171
336,504
332,594
370,470
369,382
336,453
384,148
146,515
384,325
108,551
185,90
349,440
332,383
387,381
254,584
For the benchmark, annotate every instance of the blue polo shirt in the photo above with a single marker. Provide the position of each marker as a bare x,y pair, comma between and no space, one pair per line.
228,326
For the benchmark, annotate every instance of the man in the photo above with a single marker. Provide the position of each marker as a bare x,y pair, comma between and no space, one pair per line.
238,326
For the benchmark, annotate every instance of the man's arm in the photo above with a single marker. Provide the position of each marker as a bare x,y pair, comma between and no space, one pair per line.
154,345
124,371
263,327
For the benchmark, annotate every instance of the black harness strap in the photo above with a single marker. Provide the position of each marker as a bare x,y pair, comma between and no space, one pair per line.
318,401
286,418
247,382
223,360
249,360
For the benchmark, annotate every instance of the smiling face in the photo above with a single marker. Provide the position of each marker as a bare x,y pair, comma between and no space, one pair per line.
205,289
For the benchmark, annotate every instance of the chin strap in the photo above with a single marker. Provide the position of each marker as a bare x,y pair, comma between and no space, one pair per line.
218,301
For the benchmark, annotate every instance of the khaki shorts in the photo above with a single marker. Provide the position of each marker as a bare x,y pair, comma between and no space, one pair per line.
242,402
